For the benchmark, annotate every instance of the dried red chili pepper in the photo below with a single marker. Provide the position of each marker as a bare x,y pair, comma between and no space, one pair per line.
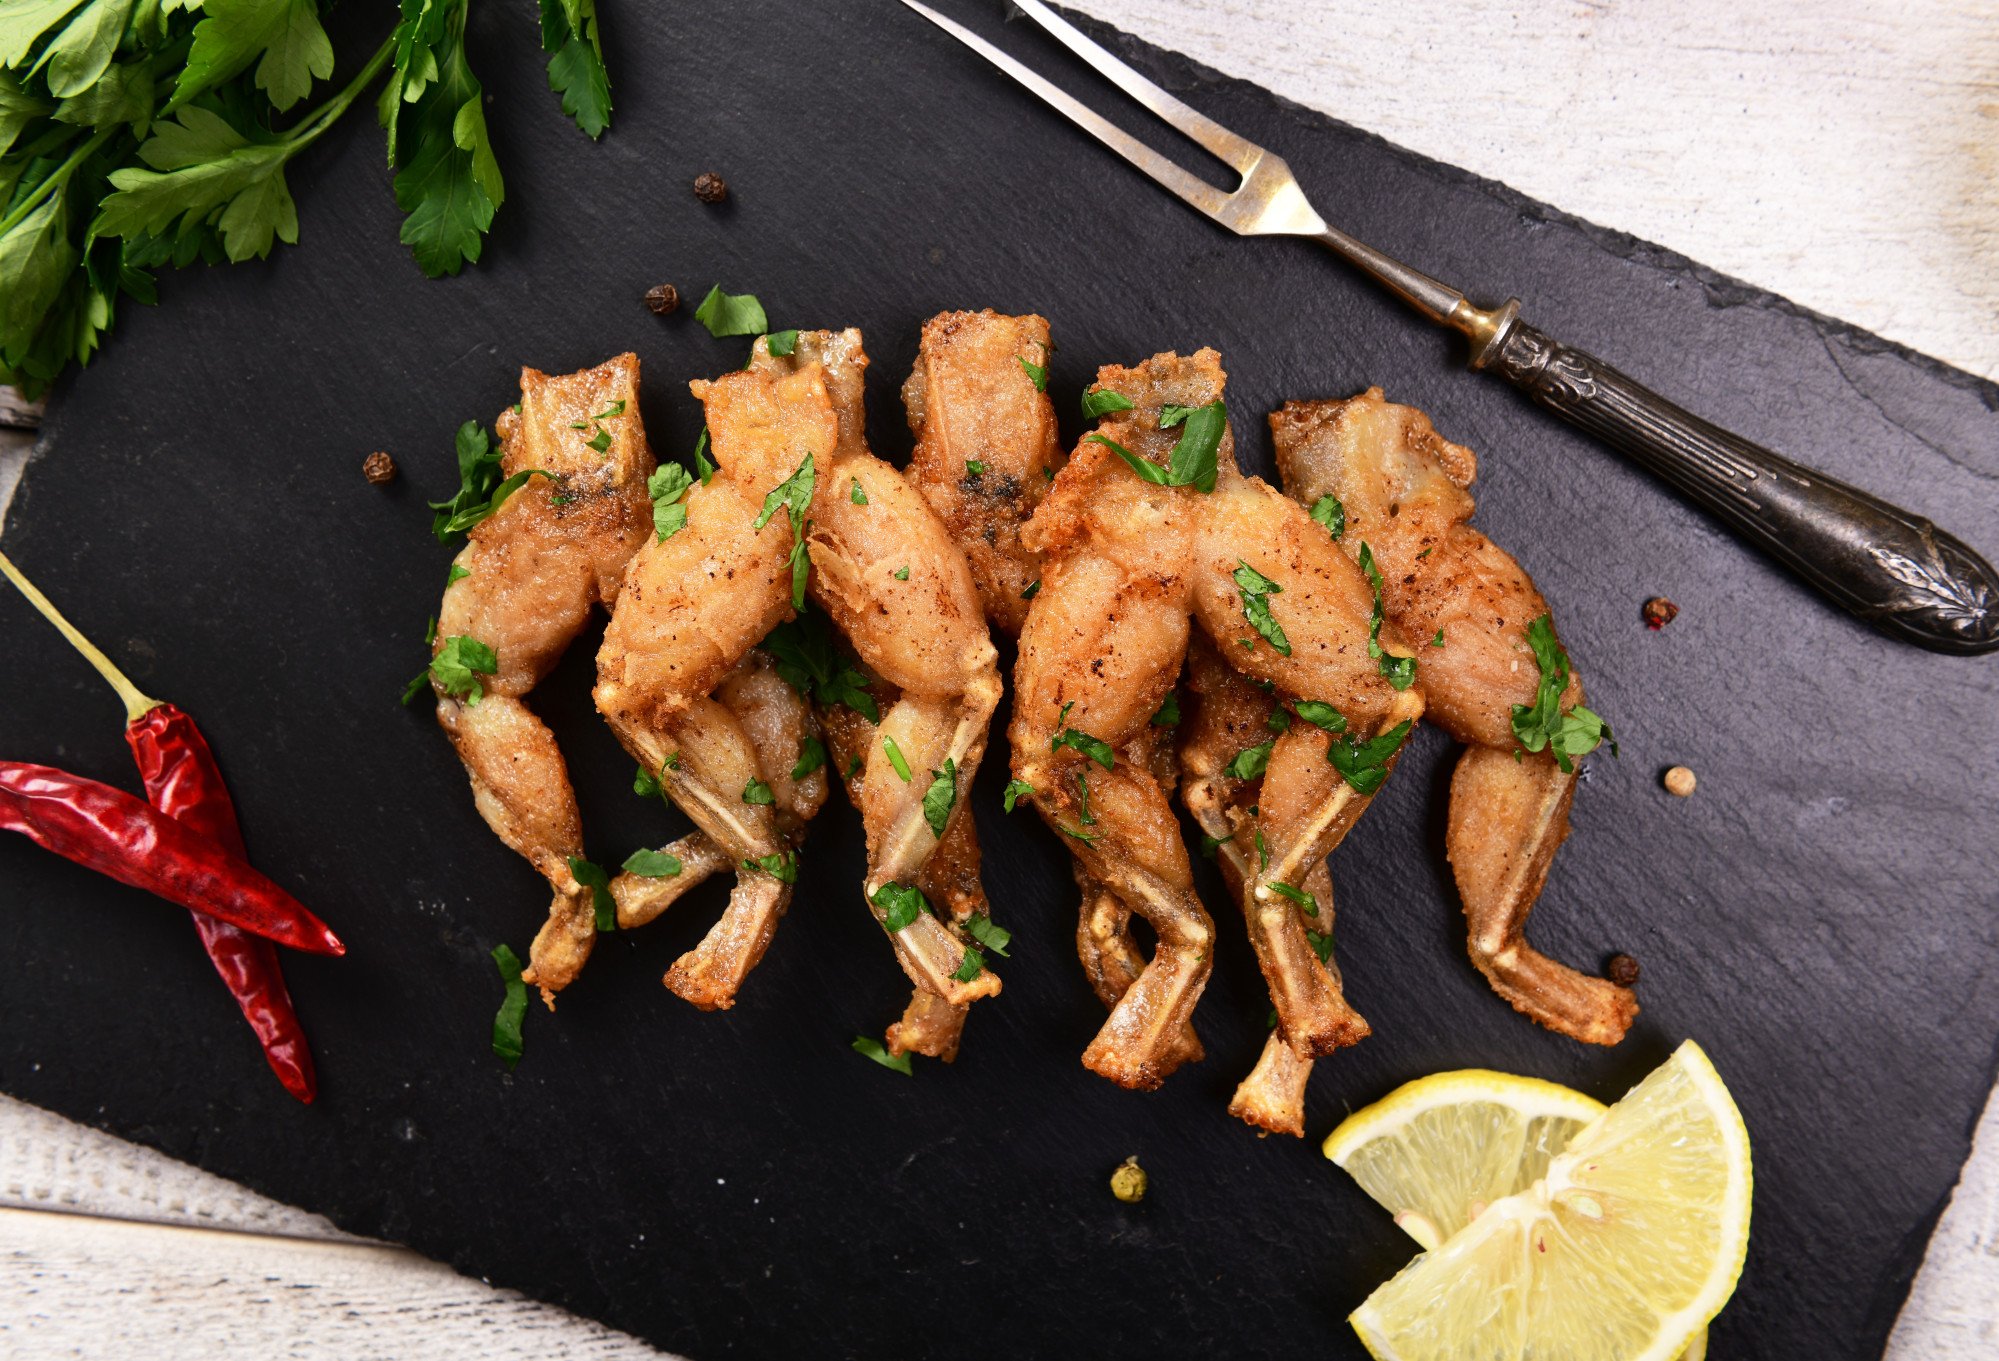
108,830
183,781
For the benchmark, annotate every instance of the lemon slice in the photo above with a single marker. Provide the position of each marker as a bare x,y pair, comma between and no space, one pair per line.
1436,1151
1622,1251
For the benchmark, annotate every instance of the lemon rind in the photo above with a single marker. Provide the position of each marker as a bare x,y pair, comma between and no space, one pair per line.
1394,1112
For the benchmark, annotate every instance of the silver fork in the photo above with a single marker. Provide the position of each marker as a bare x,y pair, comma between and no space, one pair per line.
1886,565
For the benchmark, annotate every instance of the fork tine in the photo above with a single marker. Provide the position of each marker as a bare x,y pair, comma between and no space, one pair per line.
1197,192
1238,151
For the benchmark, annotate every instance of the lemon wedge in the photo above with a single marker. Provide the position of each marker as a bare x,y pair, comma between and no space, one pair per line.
1621,1250
1436,1151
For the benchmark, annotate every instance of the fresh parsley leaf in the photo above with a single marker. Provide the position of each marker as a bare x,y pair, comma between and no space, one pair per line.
901,573
650,786
1086,817
1256,591
513,1009
448,181
1087,838
669,487
615,408
1095,748
1262,852
782,343
206,173
974,468
806,659
1438,641
1321,715
1211,844
1146,469
858,495
458,665
872,1048
1543,724
1169,712
1016,790
430,631
652,864
1171,415
732,314
1102,402
895,758
941,797
971,967
591,875
1364,765
704,467
456,575
794,497
600,441
1298,896
1329,511
853,765
1400,671
779,865
811,756
1321,943
1037,374
901,904
576,62
1250,762
283,38
1193,462
1031,590
481,490
1279,721
988,933
757,793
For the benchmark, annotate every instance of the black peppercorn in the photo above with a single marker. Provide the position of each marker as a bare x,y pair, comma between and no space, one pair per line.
662,299
1623,970
710,187
378,468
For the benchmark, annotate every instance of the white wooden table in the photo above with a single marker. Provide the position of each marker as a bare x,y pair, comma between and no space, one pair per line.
1844,153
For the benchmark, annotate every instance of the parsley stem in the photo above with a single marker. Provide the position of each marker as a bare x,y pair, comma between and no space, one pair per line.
329,113
57,178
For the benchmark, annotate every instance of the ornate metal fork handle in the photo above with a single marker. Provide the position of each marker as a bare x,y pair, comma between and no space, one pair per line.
1886,565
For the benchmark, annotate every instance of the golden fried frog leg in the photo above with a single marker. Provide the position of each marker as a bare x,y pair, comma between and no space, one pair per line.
694,604
532,572
893,582
1403,490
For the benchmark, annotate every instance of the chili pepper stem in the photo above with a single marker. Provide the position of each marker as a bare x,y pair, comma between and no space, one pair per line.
137,702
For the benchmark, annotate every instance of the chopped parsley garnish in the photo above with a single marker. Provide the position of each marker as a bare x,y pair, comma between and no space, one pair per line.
901,573
1543,724
1364,765
1298,896
1075,739
1426,553
1211,844
1262,852
1250,762
652,864
591,875
481,490
1016,790
1321,715
460,662
858,496
1032,589
895,758
1087,838
782,343
648,785
941,797
971,967
1279,721
811,756
456,575
988,933
1256,591
870,1047
1321,943
1171,415
616,408
807,661
779,865
669,487
901,904
704,466
758,793
794,497
1102,401
731,314
853,766
1438,641
1087,818
1401,671
1328,511
1168,715
1193,461
513,1009
1037,374
974,468
599,441
430,631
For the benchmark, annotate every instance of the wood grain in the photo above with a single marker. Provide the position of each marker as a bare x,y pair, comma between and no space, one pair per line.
1845,154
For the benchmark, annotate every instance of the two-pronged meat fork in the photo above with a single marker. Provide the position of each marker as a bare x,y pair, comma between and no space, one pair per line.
1890,567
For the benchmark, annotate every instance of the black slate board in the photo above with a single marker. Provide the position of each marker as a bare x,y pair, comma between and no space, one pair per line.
1821,916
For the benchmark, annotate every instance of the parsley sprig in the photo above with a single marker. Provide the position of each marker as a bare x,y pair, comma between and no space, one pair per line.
806,659
1194,459
669,487
1544,725
1364,765
1256,589
481,490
